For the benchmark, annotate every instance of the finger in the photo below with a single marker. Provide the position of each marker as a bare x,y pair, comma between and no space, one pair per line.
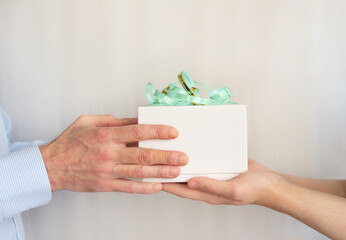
128,186
131,120
138,171
110,121
209,185
135,133
182,190
147,156
102,121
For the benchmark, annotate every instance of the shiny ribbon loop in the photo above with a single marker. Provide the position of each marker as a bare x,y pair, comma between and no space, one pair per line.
173,95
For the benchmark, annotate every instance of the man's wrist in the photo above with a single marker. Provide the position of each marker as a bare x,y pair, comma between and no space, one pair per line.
54,181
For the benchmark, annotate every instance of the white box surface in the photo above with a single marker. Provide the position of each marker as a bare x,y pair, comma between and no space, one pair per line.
214,138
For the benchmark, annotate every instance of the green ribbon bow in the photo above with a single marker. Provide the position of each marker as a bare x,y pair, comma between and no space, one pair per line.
173,95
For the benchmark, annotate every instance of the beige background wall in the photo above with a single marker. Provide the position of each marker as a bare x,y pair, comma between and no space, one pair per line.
285,59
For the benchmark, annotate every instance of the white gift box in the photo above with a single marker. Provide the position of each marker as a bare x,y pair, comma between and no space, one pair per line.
214,137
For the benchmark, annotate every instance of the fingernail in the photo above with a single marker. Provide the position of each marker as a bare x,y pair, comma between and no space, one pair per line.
174,171
183,159
193,184
173,132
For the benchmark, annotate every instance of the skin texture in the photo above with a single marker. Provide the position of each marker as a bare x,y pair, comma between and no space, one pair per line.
96,153
320,204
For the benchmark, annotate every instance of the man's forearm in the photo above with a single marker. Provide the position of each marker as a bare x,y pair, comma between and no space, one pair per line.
335,187
322,211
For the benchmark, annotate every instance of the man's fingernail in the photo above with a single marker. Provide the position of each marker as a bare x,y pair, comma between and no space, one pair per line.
193,184
173,132
183,159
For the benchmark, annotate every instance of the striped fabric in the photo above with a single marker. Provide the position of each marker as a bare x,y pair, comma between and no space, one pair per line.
24,183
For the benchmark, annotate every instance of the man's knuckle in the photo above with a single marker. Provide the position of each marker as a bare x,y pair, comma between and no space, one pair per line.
161,132
116,135
102,154
102,134
145,157
116,156
162,171
101,173
116,172
129,188
171,158
138,132
137,172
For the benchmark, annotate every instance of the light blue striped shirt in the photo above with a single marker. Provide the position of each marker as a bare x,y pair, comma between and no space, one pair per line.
24,182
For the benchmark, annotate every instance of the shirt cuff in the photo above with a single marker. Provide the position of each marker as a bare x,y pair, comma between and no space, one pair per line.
24,183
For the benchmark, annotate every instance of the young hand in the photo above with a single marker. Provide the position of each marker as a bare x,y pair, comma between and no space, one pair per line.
253,186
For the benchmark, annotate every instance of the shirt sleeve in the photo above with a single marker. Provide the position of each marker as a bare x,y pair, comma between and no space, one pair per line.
24,182
15,146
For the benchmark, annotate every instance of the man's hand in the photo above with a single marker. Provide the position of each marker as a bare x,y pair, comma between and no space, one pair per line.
253,186
93,155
